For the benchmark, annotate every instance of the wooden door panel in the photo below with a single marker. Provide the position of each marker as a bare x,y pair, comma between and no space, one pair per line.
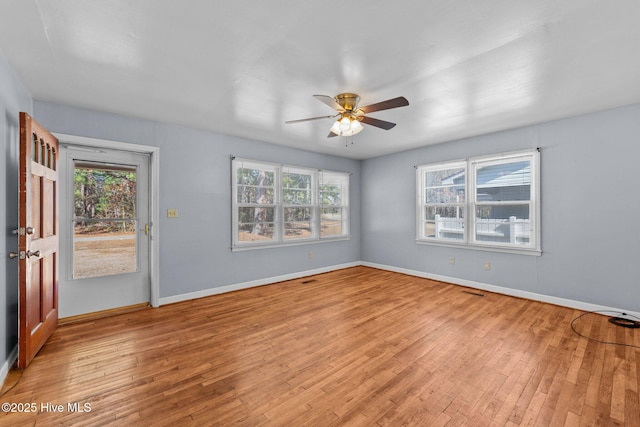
35,217
48,274
48,208
37,238
34,309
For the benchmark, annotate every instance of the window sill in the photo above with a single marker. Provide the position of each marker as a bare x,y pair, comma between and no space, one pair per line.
250,247
486,248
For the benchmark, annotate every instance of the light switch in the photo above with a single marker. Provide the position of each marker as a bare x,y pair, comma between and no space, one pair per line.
172,213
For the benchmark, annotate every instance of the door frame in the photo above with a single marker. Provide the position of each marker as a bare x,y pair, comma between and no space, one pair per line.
154,196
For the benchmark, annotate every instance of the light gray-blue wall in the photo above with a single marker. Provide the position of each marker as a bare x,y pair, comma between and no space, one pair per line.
590,208
195,176
14,97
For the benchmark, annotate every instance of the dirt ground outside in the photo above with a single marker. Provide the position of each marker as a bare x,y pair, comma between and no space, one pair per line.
104,254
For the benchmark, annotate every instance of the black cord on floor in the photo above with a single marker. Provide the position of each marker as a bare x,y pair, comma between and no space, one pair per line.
600,341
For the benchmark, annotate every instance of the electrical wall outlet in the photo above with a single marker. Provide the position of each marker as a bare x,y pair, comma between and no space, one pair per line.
172,213
310,255
487,265
452,260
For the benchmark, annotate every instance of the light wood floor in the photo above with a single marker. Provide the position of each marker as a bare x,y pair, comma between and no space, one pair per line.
353,347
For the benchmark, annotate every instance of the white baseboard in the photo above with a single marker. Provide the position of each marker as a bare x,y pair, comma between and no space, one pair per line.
579,305
253,283
6,366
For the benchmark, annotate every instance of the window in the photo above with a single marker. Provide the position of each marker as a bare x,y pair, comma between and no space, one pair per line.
488,202
297,203
444,205
279,205
105,219
334,196
255,202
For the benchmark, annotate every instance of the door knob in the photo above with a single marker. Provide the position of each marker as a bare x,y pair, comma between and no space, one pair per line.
30,254
20,231
13,255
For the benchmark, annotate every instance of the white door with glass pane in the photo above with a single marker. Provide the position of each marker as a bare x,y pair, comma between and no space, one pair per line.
104,212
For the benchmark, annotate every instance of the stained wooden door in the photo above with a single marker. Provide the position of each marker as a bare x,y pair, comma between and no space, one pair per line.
37,238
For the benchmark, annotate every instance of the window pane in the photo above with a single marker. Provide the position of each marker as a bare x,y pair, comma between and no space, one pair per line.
444,222
256,215
100,193
249,233
502,212
445,186
503,224
504,181
255,223
296,180
452,212
331,195
297,214
450,194
297,223
255,195
104,248
331,222
296,188
296,196
254,176
104,238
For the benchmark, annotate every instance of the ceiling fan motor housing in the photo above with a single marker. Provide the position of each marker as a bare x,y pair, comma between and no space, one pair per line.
348,101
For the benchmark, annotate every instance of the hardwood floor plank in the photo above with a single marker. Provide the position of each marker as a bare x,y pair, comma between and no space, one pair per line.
359,346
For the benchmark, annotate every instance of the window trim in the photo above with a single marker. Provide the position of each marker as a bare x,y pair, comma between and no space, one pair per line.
471,165
279,206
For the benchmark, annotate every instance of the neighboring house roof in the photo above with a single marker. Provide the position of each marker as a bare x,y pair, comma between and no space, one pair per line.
502,175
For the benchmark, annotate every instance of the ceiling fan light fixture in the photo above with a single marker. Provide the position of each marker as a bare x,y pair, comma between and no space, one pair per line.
356,127
346,127
345,124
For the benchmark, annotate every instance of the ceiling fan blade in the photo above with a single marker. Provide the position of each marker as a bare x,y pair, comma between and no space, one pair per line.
330,102
400,101
376,122
311,118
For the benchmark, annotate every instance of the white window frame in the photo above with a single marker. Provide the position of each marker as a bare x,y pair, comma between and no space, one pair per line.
471,202
336,178
456,228
237,205
279,232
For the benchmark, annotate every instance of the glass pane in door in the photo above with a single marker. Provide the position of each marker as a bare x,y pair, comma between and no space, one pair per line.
105,220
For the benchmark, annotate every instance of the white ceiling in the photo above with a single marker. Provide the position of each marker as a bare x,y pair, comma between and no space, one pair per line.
244,67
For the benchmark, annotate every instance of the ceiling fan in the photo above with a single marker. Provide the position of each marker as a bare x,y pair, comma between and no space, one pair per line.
350,115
